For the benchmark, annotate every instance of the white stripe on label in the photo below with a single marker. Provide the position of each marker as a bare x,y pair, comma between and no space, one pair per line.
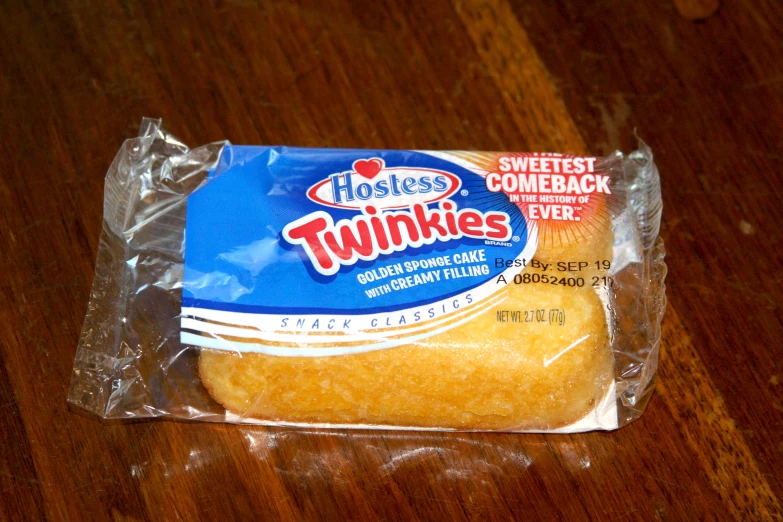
241,347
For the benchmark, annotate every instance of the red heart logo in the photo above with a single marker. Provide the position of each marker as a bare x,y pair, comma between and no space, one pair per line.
368,168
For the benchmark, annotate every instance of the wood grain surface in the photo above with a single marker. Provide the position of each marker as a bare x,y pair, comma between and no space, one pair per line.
77,76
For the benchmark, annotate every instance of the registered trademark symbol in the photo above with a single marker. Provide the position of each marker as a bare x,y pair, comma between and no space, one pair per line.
463,192
515,238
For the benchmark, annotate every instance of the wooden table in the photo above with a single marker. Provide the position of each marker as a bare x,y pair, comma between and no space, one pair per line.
75,79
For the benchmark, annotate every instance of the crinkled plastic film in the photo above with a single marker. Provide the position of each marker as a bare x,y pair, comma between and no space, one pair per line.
483,370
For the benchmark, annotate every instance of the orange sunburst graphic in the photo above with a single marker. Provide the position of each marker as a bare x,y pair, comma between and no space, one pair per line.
576,212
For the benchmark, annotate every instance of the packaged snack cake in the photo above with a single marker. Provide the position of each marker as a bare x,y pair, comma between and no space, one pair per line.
374,288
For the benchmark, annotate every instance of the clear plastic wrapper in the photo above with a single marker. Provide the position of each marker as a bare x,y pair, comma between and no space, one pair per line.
447,290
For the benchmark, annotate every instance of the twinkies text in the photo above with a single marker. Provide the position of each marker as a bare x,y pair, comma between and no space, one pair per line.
330,245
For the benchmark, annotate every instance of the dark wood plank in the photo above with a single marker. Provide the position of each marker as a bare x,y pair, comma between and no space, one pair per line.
75,80
706,103
18,480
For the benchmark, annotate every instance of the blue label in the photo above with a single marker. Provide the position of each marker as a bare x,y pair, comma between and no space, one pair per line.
292,232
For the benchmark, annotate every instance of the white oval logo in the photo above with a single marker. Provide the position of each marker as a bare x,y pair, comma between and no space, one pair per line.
371,183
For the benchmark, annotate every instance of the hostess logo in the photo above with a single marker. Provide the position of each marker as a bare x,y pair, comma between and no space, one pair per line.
372,183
